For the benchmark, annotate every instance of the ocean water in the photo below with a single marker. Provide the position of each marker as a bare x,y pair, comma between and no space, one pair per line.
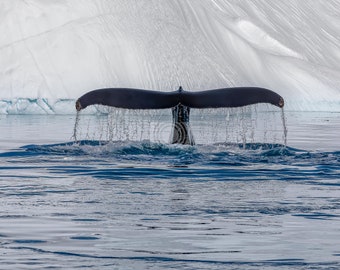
146,204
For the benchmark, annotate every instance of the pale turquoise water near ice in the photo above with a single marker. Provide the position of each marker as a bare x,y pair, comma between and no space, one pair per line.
151,205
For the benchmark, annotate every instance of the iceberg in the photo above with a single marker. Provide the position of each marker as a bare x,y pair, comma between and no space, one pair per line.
53,52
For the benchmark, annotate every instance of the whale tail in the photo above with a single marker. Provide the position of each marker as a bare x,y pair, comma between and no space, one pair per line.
129,98
180,101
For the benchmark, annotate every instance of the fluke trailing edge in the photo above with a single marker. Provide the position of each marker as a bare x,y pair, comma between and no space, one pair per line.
180,101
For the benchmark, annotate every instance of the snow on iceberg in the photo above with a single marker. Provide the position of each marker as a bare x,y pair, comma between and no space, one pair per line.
51,53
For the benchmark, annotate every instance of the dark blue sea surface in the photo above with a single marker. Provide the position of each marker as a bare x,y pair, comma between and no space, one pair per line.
95,204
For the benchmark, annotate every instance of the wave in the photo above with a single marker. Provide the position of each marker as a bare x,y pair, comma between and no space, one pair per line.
216,161
104,148
135,161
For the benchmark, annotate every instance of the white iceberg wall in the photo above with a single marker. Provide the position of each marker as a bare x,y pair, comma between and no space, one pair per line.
53,52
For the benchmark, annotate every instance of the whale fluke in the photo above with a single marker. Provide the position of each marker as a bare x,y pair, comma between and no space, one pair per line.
231,97
180,101
129,98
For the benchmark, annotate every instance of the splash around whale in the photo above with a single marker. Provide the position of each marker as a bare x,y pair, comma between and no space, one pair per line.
180,102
